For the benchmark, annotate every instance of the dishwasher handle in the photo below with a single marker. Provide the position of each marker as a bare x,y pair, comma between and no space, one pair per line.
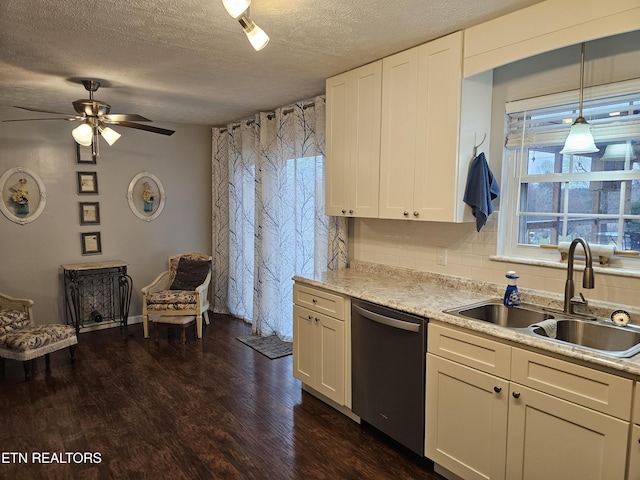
390,322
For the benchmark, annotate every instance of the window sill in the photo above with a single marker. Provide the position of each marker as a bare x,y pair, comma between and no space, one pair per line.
601,269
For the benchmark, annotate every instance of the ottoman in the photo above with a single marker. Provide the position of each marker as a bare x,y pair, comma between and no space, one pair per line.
27,344
183,321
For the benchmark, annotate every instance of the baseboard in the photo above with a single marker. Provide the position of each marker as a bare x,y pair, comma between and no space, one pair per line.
341,408
112,324
440,470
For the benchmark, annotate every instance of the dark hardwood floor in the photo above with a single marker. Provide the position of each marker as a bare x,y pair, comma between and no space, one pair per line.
211,409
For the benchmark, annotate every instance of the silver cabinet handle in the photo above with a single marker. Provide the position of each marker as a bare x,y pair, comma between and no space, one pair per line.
310,317
416,213
351,211
406,214
516,394
344,211
497,389
390,322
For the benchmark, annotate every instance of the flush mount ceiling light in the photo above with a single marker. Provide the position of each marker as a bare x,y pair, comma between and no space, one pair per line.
580,139
239,9
236,7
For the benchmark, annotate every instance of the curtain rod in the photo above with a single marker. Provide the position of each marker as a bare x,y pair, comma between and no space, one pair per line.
270,116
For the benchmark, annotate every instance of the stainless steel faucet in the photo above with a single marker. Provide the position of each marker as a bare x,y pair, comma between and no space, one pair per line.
587,275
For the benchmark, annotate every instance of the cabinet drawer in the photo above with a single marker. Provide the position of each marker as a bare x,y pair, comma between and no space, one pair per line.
476,352
591,388
319,300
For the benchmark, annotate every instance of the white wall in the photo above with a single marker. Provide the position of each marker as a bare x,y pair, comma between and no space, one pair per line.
31,254
414,244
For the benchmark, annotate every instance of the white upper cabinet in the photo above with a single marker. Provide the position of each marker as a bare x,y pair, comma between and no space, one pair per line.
400,135
353,142
430,121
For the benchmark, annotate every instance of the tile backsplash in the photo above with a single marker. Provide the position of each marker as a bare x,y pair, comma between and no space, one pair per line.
421,246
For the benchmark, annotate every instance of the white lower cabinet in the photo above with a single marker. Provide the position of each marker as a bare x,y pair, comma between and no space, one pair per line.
634,450
545,419
466,421
319,342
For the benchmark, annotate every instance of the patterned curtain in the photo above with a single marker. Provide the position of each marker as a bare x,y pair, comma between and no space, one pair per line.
268,214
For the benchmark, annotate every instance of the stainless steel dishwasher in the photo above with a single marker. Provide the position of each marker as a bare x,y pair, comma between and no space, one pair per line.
388,356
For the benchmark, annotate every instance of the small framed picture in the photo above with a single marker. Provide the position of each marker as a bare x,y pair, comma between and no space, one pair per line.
89,213
87,183
91,244
85,154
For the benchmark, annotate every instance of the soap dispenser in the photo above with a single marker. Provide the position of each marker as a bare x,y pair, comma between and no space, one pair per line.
511,294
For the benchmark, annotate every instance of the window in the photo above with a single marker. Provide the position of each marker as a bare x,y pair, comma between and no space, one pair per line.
552,197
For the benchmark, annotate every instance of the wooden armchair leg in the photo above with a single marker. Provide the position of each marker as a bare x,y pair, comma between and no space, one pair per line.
27,369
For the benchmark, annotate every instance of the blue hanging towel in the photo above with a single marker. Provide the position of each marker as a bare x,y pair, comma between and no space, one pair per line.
481,189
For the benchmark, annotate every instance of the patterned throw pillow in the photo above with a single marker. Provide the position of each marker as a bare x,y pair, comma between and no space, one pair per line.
190,274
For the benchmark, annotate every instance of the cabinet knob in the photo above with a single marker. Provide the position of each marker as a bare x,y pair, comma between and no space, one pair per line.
351,211
310,317
497,389
313,300
416,213
516,394
344,211
406,214
317,319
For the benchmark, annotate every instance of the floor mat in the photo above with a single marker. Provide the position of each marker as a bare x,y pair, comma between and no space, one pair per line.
270,346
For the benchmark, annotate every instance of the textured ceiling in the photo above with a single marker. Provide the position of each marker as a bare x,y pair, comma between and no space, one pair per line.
188,61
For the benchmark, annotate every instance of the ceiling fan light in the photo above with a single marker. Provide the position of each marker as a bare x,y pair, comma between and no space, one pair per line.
580,139
83,134
257,37
109,134
235,8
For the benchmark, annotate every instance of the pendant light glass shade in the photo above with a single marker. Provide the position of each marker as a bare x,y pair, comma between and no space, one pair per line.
619,152
257,37
580,139
109,134
83,134
235,8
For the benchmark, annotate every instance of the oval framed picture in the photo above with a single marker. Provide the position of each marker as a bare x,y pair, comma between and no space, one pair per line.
146,196
22,195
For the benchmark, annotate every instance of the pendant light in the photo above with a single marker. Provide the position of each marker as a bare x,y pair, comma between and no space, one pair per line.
580,139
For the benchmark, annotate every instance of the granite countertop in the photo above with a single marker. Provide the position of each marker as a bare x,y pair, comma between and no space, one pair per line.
428,294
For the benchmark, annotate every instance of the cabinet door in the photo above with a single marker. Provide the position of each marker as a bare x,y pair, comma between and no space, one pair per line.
466,420
353,142
634,454
338,147
330,375
553,438
304,345
398,137
438,125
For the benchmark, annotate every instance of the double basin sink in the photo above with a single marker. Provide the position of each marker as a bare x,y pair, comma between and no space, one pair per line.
577,330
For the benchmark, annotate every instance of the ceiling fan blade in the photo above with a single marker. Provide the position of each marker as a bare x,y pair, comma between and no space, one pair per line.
71,115
148,128
38,119
124,117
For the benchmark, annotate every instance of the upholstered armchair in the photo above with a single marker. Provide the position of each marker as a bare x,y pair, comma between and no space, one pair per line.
183,289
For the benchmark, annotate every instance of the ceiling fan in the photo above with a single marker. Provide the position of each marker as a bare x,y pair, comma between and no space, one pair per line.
95,118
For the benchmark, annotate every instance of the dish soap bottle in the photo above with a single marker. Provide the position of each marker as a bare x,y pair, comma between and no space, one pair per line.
511,294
